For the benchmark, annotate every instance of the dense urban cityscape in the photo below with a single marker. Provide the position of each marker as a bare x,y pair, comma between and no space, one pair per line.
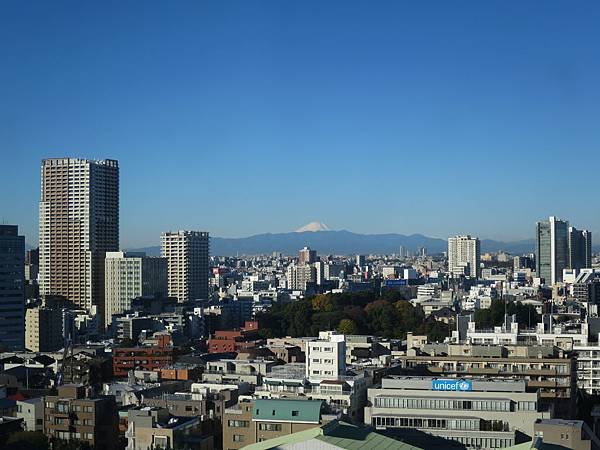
107,348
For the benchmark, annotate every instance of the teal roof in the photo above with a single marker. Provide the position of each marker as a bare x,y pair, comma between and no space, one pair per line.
278,410
350,437
340,435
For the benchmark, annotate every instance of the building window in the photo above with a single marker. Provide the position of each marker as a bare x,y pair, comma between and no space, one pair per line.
238,438
269,426
295,413
238,423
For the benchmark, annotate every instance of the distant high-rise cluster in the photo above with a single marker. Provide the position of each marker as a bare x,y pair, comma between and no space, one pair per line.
560,247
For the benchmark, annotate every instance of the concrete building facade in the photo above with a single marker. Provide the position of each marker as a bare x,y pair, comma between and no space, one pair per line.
44,329
478,413
464,256
187,256
131,275
79,223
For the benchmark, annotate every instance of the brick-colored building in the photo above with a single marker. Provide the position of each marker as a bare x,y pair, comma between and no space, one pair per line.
73,415
224,341
146,358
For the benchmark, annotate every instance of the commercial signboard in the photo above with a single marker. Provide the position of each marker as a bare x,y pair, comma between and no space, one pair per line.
451,385
395,282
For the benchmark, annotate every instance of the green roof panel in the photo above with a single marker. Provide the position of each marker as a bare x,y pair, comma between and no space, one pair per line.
278,410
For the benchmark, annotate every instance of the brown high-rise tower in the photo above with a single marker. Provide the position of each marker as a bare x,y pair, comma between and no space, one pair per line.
79,223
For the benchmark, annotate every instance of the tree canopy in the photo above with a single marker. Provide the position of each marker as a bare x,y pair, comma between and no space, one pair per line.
388,315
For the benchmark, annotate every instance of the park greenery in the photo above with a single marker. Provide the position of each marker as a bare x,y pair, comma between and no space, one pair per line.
389,315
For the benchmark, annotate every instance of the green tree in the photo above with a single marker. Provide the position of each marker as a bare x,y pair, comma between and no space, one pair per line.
323,303
347,326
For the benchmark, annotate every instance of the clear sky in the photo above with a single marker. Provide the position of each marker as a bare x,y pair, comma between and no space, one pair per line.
241,117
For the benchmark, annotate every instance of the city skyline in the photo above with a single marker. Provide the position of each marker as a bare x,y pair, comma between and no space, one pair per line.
283,115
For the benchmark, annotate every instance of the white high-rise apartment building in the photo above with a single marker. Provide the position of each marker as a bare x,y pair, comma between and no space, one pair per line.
326,357
79,223
187,256
130,275
464,256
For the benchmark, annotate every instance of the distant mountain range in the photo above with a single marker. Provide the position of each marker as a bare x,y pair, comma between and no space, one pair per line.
342,243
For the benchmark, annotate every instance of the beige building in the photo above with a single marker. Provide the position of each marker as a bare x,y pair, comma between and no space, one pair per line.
74,415
557,433
259,420
79,223
151,428
187,256
43,329
299,275
130,275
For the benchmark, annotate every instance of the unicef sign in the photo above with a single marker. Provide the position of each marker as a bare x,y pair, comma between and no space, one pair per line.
451,385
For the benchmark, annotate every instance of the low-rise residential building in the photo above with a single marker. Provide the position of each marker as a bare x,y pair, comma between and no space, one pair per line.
148,358
32,413
73,415
152,428
326,357
254,421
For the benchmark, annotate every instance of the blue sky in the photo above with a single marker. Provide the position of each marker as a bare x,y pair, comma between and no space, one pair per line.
241,117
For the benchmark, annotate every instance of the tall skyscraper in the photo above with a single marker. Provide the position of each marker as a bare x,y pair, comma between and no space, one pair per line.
128,276
12,288
552,249
464,256
307,256
187,256
79,223
580,248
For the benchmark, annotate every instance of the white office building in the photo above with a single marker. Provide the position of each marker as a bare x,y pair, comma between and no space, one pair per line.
473,413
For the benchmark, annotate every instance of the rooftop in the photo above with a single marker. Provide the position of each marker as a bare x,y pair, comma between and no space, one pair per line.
280,410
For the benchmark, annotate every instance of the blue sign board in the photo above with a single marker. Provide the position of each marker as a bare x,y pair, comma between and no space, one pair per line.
451,385
395,282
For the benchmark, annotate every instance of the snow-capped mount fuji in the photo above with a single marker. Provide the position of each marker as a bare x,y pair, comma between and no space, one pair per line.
313,226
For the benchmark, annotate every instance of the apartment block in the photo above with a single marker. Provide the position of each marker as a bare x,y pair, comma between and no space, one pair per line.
44,329
464,256
151,358
130,275
187,256
79,223
326,357
249,421
74,415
